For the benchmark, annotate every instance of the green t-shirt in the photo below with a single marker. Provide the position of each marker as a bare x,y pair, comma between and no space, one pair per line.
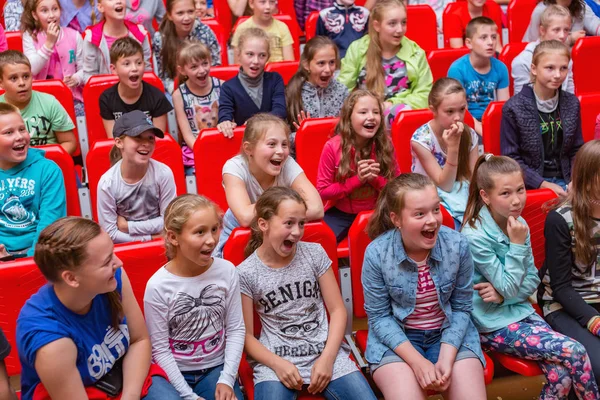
43,116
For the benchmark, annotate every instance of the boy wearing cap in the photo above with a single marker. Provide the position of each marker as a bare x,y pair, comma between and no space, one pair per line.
134,193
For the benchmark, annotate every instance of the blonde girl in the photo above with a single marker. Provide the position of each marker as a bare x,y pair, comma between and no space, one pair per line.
356,163
196,100
54,52
263,162
506,277
418,284
298,348
445,149
541,125
387,63
569,290
85,323
192,305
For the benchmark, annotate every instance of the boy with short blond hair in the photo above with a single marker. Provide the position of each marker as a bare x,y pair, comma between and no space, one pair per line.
131,92
46,119
280,38
484,77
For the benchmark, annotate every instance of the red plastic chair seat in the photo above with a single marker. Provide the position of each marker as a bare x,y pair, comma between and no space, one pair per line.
225,73
310,25
422,28
310,140
490,123
590,108
218,30
508,54
14,40
343,250
64,161
519,15
585,56
286,69
440,61
517,365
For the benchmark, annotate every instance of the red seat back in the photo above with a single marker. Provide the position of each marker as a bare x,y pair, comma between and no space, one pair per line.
223,15
447,22
91,95
286,7
440,60
491,127
590,108
519,15
286,69
14,39
310,140
214,25
585,56
211,151
310,26
422,26
536,219
292,25
167,151
225,73
64,161
508,54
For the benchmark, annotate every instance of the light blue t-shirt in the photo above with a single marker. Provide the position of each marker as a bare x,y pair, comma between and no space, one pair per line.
481,88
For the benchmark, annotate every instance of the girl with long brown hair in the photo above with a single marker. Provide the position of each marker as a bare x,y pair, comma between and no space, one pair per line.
85,323
445,149
570,290
387,63
506,277
356,163
292,287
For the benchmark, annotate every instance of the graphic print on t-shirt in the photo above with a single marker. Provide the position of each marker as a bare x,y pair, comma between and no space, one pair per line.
300,332
38,127
16,197
104,355
197,326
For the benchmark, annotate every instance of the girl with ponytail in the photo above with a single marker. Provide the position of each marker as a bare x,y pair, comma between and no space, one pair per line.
387,63
417,280
506,277
289,283
85,322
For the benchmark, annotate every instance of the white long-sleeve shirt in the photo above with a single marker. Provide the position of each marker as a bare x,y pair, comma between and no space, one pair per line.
142,204
196,323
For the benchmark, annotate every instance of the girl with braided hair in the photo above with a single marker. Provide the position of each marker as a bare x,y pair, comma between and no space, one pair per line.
85,323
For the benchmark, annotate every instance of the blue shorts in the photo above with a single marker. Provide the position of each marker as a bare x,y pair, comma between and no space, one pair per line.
427,343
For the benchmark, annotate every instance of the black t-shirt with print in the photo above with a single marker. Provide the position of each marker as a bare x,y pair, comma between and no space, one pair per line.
152,102
552,138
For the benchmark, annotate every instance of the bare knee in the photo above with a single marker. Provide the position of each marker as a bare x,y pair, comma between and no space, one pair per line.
467,381
397,381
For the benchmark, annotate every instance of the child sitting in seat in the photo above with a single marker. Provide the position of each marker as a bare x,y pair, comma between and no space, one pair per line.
54,52
388,63
134,193
196,100
465,11
264,162
45,118
253,90
293,288
356,163
32,188
585,22
344,22
99,39
131,92
181,24
555,24
445,149
484,77
279,36
193,305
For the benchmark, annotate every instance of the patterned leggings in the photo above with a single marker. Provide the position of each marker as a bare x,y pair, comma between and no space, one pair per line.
564,361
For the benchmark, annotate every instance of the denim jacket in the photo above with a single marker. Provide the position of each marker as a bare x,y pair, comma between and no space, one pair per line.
389,279
507,266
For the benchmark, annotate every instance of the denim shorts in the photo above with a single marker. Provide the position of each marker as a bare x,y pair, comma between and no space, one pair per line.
427,343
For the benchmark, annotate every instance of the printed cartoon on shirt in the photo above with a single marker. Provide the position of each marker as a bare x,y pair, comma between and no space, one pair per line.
16,197
301,331
196,328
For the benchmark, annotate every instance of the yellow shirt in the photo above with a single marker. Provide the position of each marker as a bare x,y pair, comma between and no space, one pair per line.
278,32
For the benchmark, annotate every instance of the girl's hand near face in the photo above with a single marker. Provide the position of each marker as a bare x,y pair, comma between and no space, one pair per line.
452,135
517,232
226,128
52,33
488,293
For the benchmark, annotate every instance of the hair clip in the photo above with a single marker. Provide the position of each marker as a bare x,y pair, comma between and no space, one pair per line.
488,156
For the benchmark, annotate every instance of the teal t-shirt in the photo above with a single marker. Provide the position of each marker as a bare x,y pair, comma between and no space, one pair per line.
43,116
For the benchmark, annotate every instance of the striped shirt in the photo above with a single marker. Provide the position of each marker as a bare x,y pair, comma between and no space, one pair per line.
428,314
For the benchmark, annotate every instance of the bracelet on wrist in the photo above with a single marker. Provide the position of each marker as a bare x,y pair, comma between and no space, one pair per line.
449,163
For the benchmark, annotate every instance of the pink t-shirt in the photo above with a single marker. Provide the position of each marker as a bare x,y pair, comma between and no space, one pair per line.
110,40
428,314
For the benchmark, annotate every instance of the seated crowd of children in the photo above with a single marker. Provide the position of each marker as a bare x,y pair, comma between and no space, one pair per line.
435,297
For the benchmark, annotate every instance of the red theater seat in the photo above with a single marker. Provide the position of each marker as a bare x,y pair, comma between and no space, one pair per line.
585,59
310,140
440,61
14,39
519,15
310,26
422,26
286,69
213,24
91,95
64,161
167,151
225,73
211,151
292,25
223,15
491,127
446,22
508,54
286,7
590,108
535,215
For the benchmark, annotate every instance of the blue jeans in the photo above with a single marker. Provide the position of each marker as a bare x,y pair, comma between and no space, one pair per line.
559,181
204,382
161,389
347,387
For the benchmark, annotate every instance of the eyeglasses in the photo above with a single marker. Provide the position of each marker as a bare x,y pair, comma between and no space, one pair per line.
208,345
